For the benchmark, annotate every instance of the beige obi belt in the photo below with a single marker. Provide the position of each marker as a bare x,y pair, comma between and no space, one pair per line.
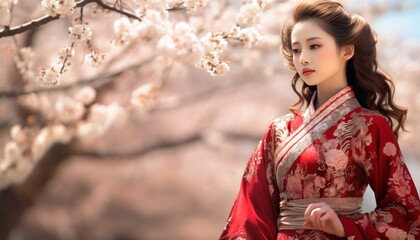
292,211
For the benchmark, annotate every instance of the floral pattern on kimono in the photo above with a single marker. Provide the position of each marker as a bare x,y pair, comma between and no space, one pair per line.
356,150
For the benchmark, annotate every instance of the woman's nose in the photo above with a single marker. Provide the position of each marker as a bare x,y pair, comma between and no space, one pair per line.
304,60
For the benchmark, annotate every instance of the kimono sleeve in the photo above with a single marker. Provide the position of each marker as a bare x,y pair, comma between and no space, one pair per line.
256,208
397,215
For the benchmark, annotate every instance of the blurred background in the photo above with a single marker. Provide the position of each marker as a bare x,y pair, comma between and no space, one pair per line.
173,171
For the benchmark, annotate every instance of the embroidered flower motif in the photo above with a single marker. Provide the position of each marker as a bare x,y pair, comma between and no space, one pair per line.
330,192
340,182
294,184
402,186
319,182
390,150
396,234
331,144
336,159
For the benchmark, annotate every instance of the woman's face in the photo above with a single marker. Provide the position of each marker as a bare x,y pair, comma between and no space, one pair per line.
315,55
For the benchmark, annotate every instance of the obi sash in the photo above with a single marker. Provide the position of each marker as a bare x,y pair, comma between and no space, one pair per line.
315,123
292,211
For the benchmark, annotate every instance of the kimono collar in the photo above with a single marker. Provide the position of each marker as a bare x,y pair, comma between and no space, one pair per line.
311,107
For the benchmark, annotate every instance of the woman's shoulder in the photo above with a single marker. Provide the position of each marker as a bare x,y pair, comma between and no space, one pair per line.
285,119
376,119
374,115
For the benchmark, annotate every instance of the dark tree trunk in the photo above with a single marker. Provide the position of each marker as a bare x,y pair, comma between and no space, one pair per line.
16,199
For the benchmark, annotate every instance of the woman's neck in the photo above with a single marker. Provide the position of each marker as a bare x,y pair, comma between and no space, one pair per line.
325,93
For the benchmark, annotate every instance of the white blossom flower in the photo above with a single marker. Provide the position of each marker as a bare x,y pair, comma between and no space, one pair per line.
66,53
248,36
213,65
249,14
69,110
41,144
194,5
60,134
80,32
58,7
14,171
124,30
18,134
12,151
49,77
181,41
86,95
95,58
158,5
4,6
100,119
144,97
47,137
24,62
214,42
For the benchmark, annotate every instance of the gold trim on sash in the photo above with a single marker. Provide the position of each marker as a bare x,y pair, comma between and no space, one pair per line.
292,211
314,126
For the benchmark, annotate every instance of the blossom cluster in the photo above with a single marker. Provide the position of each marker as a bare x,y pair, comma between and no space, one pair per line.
100,119
4,6
249,14
152,26
58,7
194,5
49,77
24,150
144,97
249,37
213,65
94,58
29,145
24,62
181,41
80,32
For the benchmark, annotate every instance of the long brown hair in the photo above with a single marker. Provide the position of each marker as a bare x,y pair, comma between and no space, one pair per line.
373,88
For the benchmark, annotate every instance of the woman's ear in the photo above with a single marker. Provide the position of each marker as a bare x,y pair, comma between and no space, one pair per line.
348,51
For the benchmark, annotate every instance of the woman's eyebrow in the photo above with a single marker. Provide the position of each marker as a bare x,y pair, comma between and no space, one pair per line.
309,39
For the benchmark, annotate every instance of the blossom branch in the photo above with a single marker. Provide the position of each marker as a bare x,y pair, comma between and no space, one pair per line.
8,31
114,9
104,78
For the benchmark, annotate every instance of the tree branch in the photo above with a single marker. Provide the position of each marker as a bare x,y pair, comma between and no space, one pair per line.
8,31
165,144
11,31
100,78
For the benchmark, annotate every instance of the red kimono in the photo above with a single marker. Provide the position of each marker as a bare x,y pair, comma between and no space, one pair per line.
331,153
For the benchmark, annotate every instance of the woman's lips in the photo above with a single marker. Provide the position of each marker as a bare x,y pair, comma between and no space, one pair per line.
307,71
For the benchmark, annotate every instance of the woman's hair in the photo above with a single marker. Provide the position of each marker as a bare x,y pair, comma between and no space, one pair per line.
373,87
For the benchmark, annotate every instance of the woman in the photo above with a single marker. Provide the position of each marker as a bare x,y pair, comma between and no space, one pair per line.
307,176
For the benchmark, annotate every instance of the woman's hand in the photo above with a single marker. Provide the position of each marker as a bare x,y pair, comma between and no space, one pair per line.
322,217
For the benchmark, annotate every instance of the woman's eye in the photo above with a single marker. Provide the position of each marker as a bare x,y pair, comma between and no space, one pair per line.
314,46
295,50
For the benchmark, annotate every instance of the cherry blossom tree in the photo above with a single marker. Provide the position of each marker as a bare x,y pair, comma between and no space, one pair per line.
60,57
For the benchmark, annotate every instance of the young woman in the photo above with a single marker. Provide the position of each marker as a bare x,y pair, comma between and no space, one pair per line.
307,176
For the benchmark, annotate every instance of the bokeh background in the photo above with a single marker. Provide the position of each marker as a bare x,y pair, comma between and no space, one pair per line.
173,172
